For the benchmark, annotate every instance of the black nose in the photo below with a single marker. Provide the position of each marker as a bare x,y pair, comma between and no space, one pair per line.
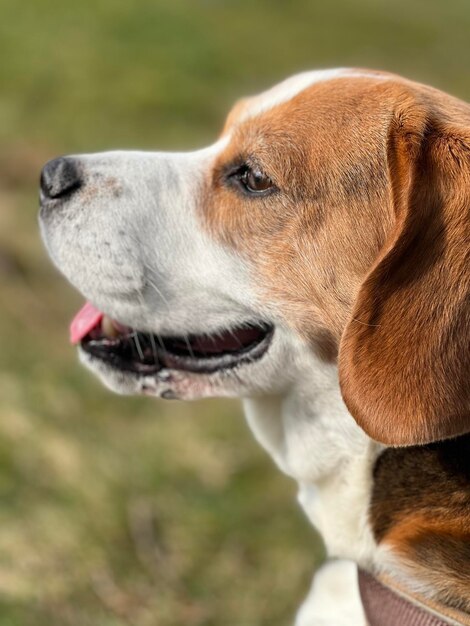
60,178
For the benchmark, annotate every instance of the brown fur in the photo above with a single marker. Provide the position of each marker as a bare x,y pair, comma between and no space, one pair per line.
405,366
367,239
420,507
304,240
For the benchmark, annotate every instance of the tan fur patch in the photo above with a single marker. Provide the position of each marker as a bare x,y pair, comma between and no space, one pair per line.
312,242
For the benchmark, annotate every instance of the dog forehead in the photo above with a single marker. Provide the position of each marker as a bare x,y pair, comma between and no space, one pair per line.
252,107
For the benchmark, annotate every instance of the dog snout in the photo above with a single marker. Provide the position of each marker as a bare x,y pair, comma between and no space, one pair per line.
60,178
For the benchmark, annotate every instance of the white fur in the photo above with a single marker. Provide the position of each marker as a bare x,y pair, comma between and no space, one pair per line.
333,598
312,438
131,240
285,91
291,87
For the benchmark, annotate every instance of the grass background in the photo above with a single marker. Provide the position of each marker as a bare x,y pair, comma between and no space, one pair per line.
120,511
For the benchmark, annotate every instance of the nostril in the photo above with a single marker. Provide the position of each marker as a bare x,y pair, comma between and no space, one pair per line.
60,178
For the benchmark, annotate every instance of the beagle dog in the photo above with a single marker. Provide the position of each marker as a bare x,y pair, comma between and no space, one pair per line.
314,261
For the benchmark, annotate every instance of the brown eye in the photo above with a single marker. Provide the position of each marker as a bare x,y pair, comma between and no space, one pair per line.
255,181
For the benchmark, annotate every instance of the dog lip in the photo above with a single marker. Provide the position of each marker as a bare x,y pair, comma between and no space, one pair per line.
228,360
146,355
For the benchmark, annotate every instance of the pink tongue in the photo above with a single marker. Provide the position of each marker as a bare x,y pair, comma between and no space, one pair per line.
86,319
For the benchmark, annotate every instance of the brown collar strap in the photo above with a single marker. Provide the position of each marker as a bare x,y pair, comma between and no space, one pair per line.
385,606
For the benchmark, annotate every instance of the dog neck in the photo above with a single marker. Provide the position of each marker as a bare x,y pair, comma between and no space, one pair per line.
311,436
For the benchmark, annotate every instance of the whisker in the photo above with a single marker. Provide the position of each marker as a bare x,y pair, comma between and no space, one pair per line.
157,290
232,333
160,342
188,345
150,271
354,319
135,337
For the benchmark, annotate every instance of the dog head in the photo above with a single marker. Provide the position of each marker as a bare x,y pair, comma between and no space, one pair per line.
330,219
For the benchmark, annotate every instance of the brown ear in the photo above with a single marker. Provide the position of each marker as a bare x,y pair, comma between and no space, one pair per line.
405,353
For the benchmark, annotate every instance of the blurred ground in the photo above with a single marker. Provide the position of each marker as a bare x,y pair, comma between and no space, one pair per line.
118,511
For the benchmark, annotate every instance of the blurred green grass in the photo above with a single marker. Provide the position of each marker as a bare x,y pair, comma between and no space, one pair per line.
119,511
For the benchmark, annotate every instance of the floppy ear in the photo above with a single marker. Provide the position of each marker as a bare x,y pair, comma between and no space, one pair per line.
405,353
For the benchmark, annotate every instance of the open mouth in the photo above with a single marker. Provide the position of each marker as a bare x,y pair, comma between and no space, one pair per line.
143,353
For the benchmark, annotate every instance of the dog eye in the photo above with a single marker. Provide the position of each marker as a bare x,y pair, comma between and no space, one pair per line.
255,181
252,180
